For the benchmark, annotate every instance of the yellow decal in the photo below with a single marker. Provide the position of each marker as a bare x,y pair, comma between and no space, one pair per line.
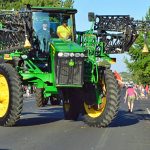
112,61
53,49
7,57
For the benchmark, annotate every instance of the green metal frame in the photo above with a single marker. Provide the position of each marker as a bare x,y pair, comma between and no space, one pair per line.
88,40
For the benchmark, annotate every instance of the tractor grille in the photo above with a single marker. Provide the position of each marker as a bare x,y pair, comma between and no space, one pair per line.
67,74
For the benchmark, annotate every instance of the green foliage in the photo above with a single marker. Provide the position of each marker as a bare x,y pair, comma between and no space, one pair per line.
17,4
139,65
147,17
68,3
126,76
9,4
54,3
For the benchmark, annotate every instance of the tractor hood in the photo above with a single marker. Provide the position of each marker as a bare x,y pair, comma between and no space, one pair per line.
66,46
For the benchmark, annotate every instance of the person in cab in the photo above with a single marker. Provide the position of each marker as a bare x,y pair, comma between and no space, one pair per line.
64,31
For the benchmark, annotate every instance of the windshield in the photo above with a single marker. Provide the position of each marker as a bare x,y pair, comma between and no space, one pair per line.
47,25
53,20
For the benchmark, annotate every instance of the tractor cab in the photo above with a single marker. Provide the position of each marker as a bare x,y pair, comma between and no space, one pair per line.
45,21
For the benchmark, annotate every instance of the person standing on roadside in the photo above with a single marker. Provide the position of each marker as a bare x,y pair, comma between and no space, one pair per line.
142,92
146,91
130,96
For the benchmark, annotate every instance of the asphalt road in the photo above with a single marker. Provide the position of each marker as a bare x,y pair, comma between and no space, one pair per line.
45,129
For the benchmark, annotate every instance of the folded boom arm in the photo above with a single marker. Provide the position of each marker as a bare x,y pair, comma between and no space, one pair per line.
118,32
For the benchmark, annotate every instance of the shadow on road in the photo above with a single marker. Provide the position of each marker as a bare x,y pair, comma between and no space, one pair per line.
124,119
42,116
49,115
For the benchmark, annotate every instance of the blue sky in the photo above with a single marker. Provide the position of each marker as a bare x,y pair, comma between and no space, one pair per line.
135,8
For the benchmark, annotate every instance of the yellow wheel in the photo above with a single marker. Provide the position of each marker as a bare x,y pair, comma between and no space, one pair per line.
95,110
11,96
4,96
101,115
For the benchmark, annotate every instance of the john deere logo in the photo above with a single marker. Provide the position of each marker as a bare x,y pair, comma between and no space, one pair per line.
71,63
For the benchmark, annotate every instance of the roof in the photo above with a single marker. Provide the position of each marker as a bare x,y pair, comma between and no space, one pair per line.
54,9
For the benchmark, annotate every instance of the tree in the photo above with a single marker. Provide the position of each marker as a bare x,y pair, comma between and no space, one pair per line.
68,3
140,63
54,3
126,76
17,4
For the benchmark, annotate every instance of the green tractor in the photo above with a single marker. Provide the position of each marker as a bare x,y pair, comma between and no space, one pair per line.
75,71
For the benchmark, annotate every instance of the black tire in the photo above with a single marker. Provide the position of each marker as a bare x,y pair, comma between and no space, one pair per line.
110,104
15,99
40,100
71,104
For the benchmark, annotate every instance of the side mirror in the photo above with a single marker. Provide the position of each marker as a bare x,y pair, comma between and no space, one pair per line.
91,16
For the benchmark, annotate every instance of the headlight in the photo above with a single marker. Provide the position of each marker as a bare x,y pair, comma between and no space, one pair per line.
71,54
82,55
66,54
77,54
60,54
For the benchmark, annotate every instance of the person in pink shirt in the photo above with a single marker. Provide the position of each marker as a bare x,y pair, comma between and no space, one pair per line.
130,95
146,91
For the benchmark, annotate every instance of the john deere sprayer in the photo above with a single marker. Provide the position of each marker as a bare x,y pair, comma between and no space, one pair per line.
76,70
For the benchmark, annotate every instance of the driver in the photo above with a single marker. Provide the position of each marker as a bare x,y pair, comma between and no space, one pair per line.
64,31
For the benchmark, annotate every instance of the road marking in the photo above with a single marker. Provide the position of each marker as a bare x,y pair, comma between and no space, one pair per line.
103,139
148,111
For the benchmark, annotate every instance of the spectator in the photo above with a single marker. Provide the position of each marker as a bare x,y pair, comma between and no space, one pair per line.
146,91
130,95
142,92
27,92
